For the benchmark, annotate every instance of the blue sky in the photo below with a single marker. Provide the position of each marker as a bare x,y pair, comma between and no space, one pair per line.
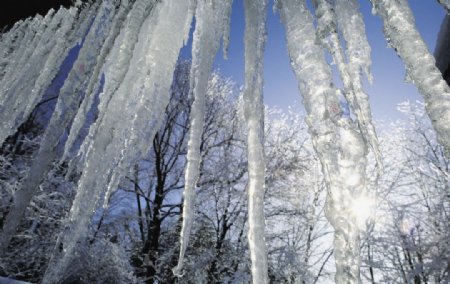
280,88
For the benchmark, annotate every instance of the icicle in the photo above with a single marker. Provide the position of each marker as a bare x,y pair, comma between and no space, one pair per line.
26,92
446,5
118,63
9,44
23,196
60,49
187,25
21,100
358,54
139,143
255,35
93,86
7,79
49,22
130,122
209,28
352,26
68,101
336,140
226,29
420,65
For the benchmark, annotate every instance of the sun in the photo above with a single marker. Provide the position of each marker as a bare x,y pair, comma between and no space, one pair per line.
362,209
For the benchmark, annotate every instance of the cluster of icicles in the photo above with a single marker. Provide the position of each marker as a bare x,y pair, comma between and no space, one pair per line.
135,46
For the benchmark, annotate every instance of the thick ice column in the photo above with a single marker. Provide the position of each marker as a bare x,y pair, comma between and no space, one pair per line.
336,139
400,30
68,101
134,114
209,28
255,38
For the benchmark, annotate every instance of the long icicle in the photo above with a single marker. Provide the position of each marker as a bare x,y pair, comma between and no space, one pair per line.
336,140
119,140
20,56
28,89
140,142
67,103
209,28
400,30
10,43
351,24
255,37
20,66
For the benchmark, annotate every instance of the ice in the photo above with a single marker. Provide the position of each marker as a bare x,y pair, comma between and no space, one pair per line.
209,28
357,51
129,123
445,4
117,65
26,46
66,107
28,88
134,46
226,29
9,44
399,28
336,139
94,83
255,38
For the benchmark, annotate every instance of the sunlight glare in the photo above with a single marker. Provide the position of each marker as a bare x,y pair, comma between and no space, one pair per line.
362,209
